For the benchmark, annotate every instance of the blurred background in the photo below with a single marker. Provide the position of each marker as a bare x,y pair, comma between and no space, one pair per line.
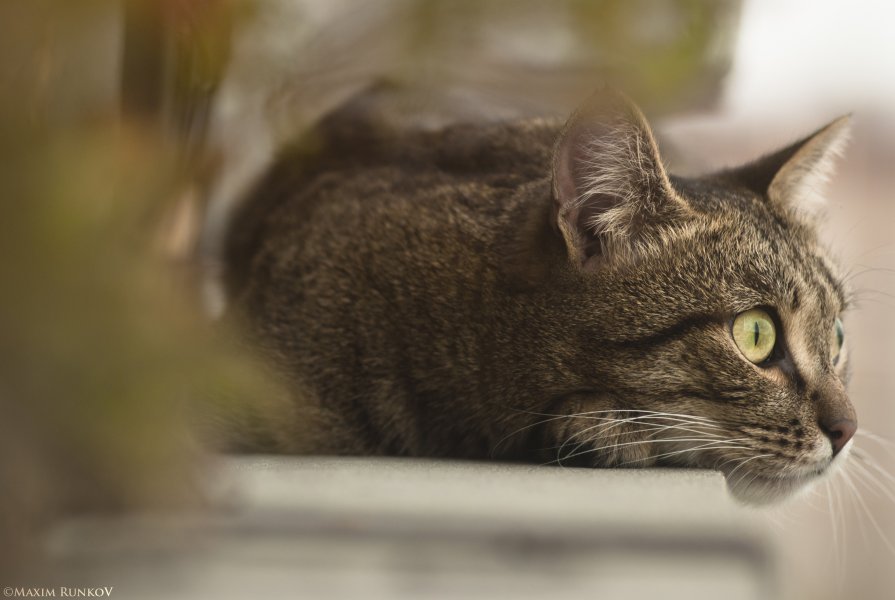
130,129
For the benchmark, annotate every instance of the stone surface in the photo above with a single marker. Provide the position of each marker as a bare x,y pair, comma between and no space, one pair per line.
393,528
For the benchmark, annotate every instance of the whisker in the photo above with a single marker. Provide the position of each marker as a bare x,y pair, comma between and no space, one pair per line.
857,293
608,410
651,424
735,458
615,422
869,514
748,460
873,482
604,427
834,549
864,459
879,439
840,518
853,495
640,411
867,269
554,417
520,430
707,446
870,252
620,445
774,519
651,427
752,479
861,302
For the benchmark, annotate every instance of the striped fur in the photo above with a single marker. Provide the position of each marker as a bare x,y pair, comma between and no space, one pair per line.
488,291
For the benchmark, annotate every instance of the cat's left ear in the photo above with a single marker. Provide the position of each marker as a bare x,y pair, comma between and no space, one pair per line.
794,178
611,194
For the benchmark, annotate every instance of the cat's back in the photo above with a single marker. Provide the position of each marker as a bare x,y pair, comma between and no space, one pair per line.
359,183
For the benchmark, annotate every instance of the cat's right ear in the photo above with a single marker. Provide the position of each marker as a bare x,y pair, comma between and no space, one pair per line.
794,178
610,189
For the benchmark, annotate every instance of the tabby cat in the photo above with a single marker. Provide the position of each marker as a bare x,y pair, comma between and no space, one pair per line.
537,292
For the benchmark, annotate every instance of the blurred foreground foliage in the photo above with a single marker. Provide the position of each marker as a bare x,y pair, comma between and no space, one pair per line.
105,362
105,359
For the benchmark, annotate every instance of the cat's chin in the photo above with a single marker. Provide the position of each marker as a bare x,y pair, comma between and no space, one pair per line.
759,490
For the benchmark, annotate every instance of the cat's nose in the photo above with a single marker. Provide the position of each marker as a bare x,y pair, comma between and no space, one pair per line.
839,433
835,413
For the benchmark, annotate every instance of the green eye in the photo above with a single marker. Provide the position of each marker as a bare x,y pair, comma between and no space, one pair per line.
838,339
754,333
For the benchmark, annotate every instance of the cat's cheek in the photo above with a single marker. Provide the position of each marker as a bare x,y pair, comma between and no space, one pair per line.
774,374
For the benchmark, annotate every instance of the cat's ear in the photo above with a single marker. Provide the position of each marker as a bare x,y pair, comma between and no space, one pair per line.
609,185
794,178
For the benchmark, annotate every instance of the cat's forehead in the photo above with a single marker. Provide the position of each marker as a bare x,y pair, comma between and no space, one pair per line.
766,252
717,194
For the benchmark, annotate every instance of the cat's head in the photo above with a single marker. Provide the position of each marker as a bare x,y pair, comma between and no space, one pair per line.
720,332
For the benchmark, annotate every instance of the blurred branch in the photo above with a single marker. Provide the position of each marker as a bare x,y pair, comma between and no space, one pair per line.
175,53
143,62
174,57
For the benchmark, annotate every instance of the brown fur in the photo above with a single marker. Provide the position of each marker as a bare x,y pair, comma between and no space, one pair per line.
449,293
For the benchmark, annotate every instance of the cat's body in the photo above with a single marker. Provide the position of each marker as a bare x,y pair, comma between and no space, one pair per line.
484,291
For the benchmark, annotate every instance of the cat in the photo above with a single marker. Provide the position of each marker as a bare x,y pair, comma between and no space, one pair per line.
543,292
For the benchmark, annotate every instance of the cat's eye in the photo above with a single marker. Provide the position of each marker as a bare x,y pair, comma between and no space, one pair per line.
838,339
754,334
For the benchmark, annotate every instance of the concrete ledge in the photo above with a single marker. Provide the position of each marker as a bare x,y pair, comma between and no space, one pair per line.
394,528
